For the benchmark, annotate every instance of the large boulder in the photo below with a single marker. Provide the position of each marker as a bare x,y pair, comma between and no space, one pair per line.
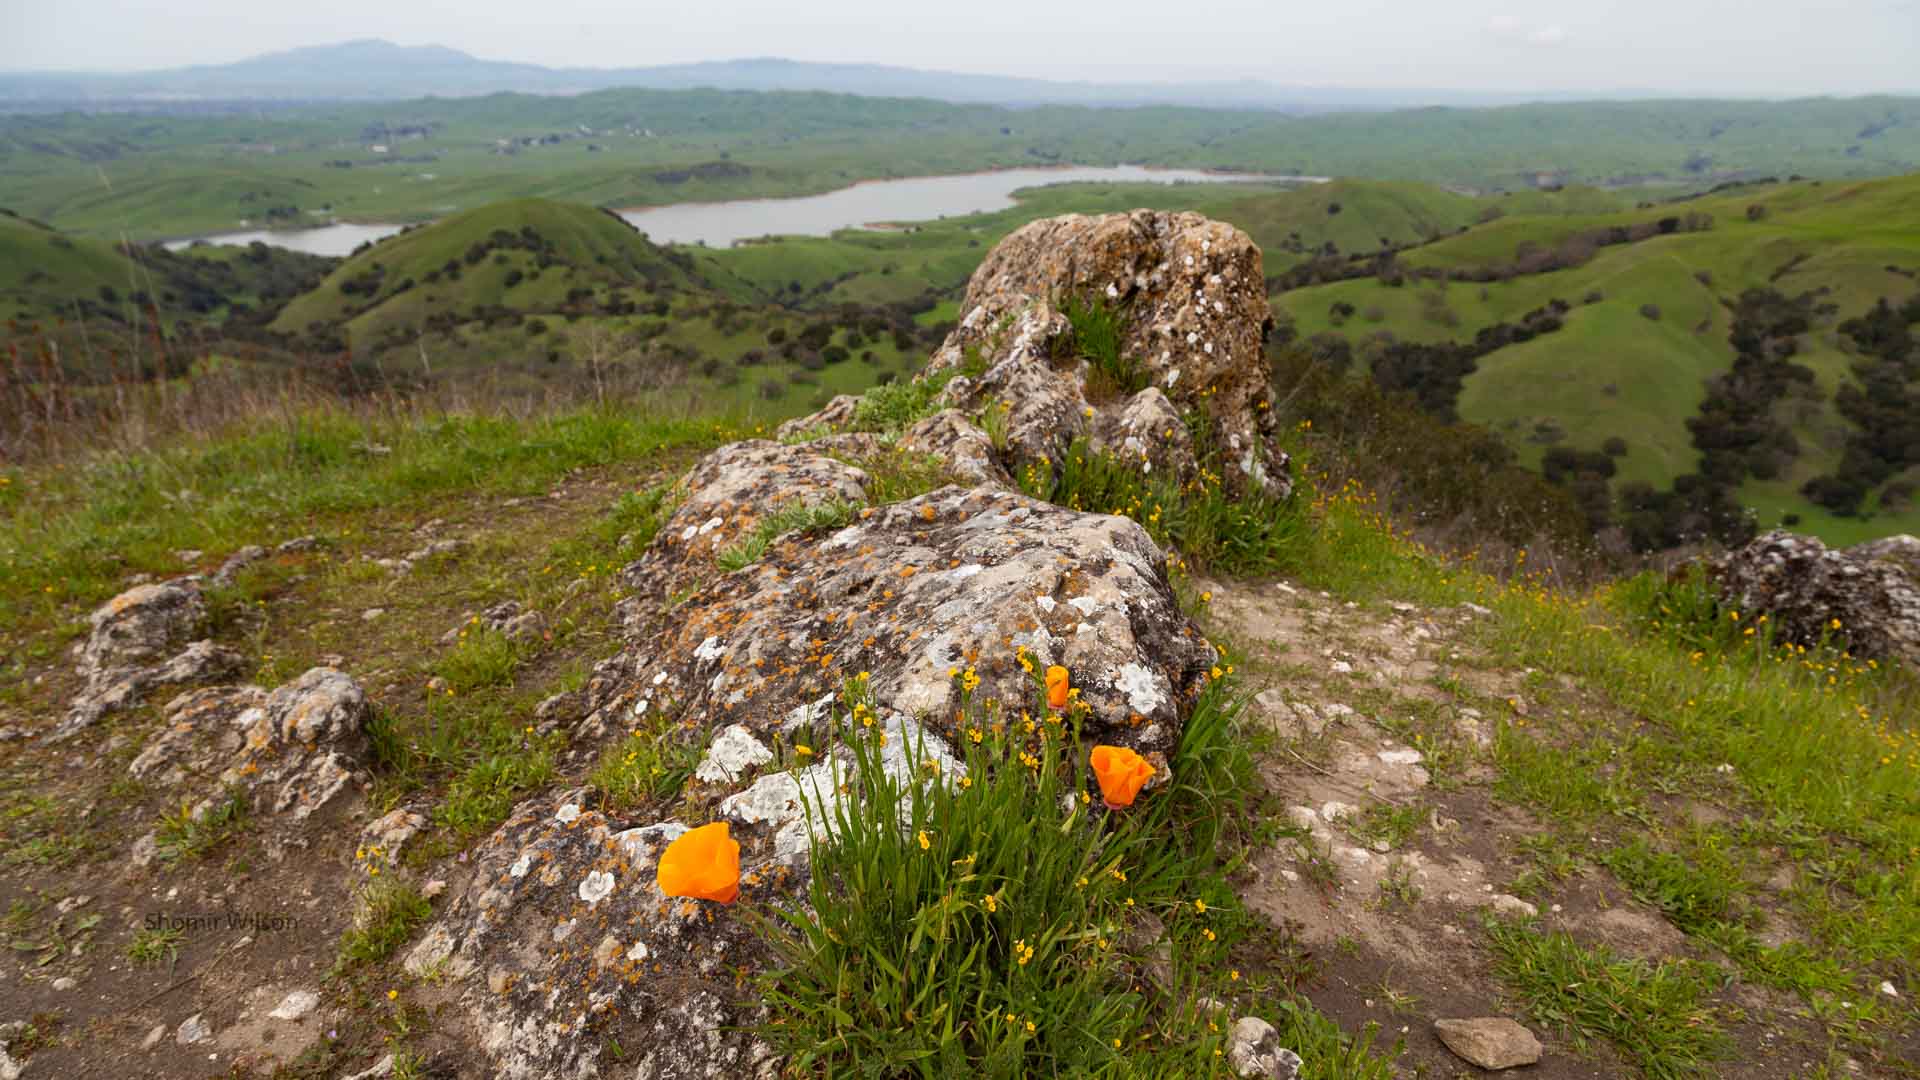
1865,597
1190,294
955,579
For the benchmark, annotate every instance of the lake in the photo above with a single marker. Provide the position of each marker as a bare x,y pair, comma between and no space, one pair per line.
881,202
867,204
338,239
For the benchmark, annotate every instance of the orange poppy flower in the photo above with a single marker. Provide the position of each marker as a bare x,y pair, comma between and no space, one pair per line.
703,863
1120,772
1057,687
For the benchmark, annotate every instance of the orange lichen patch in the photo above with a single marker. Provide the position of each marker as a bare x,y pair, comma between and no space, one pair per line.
704,864
1057,687
1121,772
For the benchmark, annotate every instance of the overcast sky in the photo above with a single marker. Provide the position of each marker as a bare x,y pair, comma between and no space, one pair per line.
1769,47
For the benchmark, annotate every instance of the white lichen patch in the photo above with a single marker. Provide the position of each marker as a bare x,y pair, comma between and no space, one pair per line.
597,886
1143,689
733,753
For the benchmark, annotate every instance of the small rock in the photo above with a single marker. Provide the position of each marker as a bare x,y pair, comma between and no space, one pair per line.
1887,988
298,544
72,902
65,983
433,888
192,1030
153,1037
295,1006
1335,811
1491,1042
372,613
189,555
381,1068
1256,1051
1512,906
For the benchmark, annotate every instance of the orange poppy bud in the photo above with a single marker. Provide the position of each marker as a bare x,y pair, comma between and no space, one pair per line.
1057,687
703,863
1120,772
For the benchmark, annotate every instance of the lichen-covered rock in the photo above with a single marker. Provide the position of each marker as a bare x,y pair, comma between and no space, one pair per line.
1192,295
1902,551
141,627
291,752
136,643
834,416
1147,429
1046,409
967,451
1861,597
561,940
727,494
954,579
506,617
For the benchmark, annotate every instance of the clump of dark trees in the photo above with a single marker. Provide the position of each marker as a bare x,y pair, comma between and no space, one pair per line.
1884,409
1738,430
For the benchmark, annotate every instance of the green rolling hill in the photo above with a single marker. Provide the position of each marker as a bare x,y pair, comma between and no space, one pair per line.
523,255
1649,323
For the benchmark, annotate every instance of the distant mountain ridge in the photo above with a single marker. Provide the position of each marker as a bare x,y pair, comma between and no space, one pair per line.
373,69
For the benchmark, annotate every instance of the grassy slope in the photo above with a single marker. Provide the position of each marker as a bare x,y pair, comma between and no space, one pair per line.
43,272
1844,237
593,249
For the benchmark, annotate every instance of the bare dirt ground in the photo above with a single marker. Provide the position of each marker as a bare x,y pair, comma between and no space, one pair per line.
1396,849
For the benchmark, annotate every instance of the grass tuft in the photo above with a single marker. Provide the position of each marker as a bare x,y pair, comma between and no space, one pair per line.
1657,1016
390,910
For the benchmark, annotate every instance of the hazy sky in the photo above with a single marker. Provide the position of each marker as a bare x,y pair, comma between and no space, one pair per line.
1771,47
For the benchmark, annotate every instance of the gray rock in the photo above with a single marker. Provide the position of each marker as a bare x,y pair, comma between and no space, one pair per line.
153,1038
298,544
1149,430
65,983
726,495
295,1006
128,648
1804,588
527,955
292,751
907,594
1192,295
389,833
192,1030
1491,1042
141,626
377,1071
237,562
1255,1051
1192,300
